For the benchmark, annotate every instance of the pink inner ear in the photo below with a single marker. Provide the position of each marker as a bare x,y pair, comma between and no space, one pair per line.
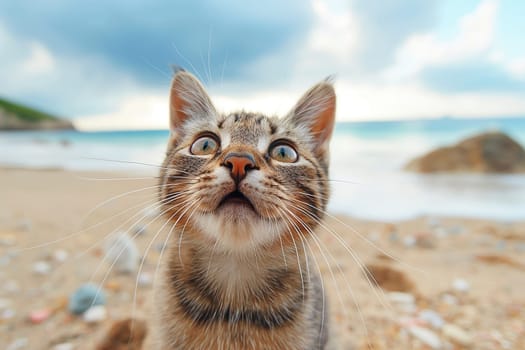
177,106
325,122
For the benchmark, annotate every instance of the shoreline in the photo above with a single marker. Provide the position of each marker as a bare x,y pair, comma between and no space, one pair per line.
56,211
109,174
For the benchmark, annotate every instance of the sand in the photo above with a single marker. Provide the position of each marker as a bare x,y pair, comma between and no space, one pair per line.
470,273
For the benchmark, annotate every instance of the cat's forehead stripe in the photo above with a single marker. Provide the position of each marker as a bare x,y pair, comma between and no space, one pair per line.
246,128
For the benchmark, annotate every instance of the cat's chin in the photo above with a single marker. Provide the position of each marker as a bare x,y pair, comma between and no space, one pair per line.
238,228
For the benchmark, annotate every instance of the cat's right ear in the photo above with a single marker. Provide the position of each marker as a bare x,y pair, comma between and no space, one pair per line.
188,100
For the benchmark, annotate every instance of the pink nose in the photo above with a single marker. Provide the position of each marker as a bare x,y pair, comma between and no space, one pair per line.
239,164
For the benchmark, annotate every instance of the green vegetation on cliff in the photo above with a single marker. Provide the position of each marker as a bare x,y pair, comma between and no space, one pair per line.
15,116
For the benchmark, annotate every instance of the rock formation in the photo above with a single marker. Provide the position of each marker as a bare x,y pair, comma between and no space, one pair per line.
491,152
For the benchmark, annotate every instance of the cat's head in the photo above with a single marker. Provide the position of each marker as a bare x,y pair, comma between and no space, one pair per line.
245,180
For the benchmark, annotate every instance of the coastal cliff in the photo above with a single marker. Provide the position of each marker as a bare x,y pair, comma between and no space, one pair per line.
14,116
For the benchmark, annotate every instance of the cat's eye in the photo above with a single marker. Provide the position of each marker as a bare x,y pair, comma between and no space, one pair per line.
283,152
204,145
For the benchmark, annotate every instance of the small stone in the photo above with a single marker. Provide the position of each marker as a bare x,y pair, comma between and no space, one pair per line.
432,318
64,346
461,285
457,335
139,230
425,240
389,278
39,316
145,279
426,336
409,241
401,298
150,212
113,286
41,268
449,299
121,252
84,297
95,314
17,344
60,255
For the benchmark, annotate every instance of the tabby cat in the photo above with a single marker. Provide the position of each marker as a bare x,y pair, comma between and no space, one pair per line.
242,192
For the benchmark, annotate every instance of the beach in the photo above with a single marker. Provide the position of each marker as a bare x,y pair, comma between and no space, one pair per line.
444,282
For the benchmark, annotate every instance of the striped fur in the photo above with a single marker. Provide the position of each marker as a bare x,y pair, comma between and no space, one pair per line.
240,276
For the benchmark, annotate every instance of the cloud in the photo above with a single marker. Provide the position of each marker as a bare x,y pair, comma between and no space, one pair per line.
135,111
474,38
34,74
385,25
142,37
347,38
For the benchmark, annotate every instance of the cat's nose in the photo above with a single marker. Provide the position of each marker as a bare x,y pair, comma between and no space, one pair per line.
239,164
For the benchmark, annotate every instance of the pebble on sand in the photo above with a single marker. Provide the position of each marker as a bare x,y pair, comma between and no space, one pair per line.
401,298
60,255
122,252
84,297
461,285
404,302
145,279
432,318
139,230
39,316
457,335
150,212
41,268
426,336
64,346
95,314
449,299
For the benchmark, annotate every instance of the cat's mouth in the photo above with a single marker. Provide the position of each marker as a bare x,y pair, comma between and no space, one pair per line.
236,198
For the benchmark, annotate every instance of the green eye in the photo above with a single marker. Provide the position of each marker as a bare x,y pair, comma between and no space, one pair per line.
283,153
203,146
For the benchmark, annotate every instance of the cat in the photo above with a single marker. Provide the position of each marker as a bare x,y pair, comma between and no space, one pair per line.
242,192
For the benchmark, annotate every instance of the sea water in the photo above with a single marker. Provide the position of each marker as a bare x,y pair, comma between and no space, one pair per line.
367,159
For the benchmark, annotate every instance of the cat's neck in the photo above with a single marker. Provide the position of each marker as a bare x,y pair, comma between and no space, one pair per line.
242,274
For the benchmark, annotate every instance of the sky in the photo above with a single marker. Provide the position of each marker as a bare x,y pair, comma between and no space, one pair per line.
108,65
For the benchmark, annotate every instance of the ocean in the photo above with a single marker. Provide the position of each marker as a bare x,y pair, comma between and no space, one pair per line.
366,165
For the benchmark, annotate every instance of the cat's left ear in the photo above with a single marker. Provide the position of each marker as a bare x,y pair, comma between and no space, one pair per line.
316,111
188,100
